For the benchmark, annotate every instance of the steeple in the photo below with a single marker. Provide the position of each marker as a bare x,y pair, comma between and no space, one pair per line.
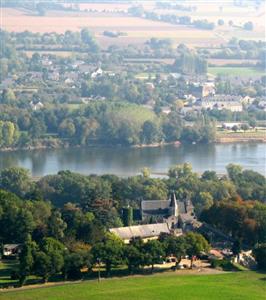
173,207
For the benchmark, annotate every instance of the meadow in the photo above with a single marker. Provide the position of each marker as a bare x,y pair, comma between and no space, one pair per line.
241,285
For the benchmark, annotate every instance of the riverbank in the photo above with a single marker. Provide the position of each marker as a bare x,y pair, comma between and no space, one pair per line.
155,145
241,137
222,138
60,144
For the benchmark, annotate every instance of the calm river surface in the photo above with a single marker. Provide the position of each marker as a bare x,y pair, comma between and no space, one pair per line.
129,161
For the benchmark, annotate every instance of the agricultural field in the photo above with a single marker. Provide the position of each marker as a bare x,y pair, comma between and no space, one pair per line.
44,52
241,135
227,62
236,71
137,30
241,285
226,11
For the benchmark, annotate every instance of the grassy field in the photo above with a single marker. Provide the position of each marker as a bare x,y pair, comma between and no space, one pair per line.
241,285
230,136
236,71
133,113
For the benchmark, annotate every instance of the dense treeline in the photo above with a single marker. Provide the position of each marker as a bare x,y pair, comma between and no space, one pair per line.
243,49
101,198
62,220
138,11
113,123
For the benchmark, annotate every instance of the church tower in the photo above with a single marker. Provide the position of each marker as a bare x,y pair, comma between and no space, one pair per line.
173,207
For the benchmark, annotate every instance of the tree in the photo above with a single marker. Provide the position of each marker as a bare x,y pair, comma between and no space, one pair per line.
248,26
146,172
9,133
190,135
172,127
180,171
49,260
204,201
128,216
236,248
89,40
209,175
153,252
133,257
260,255
26,260
175,246
220,22
67,129
56,225
37,128
16,180
195,244
42,265
244,127
109,251
234,172
73,264
253,123
8,96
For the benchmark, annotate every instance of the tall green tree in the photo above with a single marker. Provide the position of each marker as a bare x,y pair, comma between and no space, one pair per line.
109,252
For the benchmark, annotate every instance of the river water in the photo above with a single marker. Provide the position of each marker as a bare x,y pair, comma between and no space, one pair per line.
129,161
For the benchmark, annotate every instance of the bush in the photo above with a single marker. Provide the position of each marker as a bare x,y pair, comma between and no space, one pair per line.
14,275
260,255
224,264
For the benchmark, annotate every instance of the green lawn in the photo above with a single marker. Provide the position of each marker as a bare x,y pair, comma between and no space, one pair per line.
234,286
236,71
145,76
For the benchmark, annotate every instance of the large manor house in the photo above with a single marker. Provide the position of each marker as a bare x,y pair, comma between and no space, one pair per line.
160,216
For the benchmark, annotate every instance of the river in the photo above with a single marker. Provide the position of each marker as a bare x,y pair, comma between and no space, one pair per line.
129,161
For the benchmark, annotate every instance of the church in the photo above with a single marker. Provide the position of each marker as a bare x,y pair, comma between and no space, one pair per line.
160,216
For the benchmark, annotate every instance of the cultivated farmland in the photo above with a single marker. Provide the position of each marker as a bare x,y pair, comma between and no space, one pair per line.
137,30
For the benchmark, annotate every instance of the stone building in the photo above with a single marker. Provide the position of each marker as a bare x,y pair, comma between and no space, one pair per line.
161,216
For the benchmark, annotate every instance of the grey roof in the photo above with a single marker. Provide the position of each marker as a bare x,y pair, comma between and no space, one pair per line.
181,207
11,246
143,231
221,97
155,204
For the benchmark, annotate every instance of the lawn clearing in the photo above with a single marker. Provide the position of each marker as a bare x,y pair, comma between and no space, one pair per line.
133,113
240,285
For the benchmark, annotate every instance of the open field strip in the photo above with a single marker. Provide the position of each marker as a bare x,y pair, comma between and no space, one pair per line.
236,71
240,285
